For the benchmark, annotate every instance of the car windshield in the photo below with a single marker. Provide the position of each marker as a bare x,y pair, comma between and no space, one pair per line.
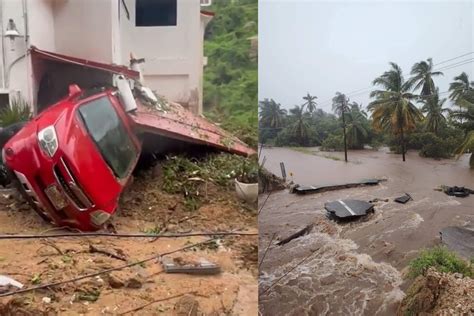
109,134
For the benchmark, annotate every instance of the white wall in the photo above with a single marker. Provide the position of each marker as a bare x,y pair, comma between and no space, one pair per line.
84,28
173,54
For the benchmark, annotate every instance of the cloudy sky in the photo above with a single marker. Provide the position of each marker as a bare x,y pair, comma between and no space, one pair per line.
322,47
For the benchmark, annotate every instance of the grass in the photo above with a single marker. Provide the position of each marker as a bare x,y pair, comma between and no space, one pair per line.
19,111
442,260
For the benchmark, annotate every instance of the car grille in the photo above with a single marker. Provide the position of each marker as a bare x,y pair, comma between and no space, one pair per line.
75,194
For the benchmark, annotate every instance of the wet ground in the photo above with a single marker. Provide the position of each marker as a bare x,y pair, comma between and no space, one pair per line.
145,208
355,268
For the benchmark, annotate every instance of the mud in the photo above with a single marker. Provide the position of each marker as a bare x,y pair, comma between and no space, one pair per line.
357,268
144,208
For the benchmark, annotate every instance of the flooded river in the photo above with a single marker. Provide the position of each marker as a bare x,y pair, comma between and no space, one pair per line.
355,268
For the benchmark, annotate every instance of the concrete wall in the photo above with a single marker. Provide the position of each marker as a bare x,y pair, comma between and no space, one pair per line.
173,54
84,28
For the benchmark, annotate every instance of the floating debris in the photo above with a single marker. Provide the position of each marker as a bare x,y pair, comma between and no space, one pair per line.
348,209
323,188
403,199
455,191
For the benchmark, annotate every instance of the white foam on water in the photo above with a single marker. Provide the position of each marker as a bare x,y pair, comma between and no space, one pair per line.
335,279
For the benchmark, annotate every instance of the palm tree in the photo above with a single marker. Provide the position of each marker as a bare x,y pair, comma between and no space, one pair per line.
393,109
423,74
357,126
466,117
271,115
340,107
299,129
458,88
310,102
433,108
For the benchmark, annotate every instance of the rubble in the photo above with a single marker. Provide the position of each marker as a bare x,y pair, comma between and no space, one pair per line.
437,293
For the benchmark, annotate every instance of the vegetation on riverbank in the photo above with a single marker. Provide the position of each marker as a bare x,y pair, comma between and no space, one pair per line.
404,114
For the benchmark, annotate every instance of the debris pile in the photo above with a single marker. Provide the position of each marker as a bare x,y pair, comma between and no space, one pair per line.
438,293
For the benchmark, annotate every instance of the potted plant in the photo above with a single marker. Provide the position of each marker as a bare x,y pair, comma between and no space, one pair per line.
246,182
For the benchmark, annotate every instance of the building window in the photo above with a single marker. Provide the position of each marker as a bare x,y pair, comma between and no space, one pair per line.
155,12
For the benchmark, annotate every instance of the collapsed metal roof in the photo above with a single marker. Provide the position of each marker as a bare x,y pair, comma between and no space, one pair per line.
174,122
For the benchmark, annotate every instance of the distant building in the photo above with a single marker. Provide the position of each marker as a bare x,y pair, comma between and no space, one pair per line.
169,34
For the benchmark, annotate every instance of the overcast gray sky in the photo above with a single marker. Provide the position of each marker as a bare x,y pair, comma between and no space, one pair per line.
322,47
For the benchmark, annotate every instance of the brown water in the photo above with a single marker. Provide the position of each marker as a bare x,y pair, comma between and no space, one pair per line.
356,268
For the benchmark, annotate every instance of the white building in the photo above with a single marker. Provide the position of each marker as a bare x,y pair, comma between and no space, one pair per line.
168,34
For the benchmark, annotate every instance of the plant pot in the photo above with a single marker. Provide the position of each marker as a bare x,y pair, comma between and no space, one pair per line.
247,192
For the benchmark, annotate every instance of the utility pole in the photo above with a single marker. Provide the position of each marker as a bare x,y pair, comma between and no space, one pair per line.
344,127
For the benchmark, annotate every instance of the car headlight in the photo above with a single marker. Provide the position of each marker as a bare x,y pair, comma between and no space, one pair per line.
48,140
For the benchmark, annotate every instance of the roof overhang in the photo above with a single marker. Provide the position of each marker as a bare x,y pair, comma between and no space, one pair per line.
111,68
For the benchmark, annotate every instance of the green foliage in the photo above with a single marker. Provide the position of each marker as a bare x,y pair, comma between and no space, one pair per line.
230,78
442,260
189,176
333,143
18,111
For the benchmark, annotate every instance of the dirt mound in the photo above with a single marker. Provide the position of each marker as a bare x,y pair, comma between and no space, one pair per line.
438,293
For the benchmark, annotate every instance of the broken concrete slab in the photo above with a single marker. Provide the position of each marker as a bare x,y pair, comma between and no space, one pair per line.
403,199
459,240
348,209
323,188
180,265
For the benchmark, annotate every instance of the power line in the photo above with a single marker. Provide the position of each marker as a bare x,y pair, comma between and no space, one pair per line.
445,61
463,62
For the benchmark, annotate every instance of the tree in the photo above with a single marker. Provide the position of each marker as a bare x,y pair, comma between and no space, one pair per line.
423,74
459,87
340,107
271,115
310,102
466,117
299,129
393,109
433,108
357,126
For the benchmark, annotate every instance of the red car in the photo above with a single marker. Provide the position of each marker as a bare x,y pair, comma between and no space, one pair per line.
73,160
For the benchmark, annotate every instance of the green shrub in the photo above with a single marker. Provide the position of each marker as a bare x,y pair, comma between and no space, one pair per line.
437,148
18,111
442,260
333,143
188,176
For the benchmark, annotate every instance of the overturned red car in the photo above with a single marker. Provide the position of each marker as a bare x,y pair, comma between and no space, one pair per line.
72,161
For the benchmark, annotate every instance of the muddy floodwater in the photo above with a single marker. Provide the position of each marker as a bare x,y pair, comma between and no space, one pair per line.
355,268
